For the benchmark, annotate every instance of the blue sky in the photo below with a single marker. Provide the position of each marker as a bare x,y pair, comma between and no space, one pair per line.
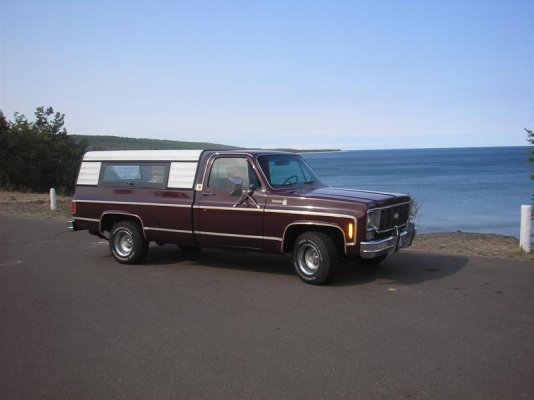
306,74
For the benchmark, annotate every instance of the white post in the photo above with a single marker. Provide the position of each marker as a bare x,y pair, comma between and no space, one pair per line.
526,222
53,199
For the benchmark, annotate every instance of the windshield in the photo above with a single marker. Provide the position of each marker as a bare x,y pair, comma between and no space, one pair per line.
287,170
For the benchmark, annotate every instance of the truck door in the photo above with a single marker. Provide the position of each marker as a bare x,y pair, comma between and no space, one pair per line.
230,208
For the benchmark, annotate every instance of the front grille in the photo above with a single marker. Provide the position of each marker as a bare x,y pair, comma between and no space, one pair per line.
393,216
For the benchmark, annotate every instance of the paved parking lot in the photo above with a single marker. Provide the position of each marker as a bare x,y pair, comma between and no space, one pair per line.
75,324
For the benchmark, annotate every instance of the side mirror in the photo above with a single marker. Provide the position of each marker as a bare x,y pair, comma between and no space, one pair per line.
237,189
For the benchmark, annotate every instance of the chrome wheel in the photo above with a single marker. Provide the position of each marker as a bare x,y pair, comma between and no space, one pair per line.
127,242
308,259
123,243
315,257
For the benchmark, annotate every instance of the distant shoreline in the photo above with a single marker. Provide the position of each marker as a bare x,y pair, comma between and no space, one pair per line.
309,150
109,142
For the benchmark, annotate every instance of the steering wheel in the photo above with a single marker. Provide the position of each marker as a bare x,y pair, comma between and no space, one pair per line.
288,180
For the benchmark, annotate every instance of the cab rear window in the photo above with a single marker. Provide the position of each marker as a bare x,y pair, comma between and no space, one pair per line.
134,174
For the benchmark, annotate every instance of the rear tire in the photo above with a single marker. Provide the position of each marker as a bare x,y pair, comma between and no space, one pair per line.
314,257
127,243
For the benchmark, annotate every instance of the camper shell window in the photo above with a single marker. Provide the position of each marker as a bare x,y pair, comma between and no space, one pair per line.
136,174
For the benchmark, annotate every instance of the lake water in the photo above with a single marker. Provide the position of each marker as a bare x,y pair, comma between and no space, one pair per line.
467,189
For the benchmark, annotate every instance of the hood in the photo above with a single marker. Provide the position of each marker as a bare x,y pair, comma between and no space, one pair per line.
376,199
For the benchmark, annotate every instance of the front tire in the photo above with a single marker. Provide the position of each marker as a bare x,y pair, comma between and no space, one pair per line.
127,243
314,257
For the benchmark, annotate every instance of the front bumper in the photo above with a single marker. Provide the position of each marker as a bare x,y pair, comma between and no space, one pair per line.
376,248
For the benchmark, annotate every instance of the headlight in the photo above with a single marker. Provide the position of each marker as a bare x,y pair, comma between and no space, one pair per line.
373,219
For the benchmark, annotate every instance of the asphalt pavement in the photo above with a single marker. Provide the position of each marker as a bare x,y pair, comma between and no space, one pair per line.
75,324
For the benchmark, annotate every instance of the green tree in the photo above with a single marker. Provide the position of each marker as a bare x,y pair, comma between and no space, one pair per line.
4,131
4,124
38,155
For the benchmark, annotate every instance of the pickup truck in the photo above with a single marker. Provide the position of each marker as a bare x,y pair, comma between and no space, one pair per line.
257,200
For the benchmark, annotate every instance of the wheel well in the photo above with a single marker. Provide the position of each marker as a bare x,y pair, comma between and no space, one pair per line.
294,231
108,220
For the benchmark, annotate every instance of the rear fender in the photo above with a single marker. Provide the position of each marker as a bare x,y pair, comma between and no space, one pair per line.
109,218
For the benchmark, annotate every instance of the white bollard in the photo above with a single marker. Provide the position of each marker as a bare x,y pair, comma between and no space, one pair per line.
53,199
526,223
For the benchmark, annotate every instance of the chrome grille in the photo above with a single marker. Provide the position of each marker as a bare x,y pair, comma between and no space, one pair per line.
385,219
393,216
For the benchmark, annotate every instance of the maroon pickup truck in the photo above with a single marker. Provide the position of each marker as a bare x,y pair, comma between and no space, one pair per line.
258,200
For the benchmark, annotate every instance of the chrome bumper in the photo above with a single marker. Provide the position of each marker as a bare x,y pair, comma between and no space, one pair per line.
388,245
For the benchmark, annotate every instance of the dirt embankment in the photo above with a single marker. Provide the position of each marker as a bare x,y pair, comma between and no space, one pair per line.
37,205
471,244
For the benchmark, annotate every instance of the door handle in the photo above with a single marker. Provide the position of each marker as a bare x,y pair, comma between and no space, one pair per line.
208,194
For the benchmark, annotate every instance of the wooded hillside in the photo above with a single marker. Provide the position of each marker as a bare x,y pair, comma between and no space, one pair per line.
95,142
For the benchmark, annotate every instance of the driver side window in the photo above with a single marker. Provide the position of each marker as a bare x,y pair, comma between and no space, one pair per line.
224,170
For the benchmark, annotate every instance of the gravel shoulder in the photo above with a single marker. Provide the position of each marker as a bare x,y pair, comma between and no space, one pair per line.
34,205
37,205
470,244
